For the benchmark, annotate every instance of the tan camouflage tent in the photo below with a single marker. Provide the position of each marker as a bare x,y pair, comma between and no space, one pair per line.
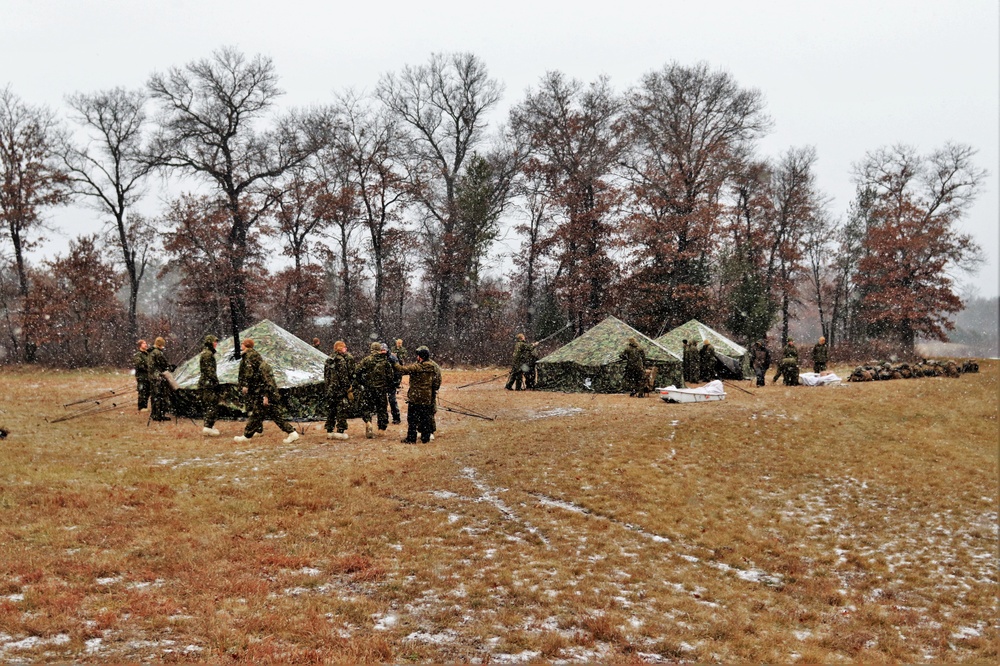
734,360
297,366
592,361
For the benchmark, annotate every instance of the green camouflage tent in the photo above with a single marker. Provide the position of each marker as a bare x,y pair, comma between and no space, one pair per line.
591,362
734,360
298,371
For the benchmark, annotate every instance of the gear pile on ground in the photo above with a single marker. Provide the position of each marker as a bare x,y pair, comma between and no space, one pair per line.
874,371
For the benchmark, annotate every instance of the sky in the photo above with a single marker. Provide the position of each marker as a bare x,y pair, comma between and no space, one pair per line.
846,77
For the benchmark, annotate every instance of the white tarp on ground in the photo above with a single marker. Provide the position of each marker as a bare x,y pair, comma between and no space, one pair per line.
714,387
814,379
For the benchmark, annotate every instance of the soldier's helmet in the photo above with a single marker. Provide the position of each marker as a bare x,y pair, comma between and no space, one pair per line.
520,336
423,352
210,340
375,347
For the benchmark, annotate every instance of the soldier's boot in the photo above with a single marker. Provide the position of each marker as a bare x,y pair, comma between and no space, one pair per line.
369,432
240,439
210,432
431,438
336,435
292,436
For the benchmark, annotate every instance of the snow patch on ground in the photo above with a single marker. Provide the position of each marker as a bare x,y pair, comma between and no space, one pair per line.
447,636
385,622
555,412
519,658
490,496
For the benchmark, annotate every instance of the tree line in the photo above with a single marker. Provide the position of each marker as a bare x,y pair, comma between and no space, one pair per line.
654,204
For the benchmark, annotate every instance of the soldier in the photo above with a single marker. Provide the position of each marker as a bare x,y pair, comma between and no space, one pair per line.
694,369
397,356
435,385
316,343
788,368
760,360
686,361
208,385
338,375
820,355
634,375
707,361
530,362
425,380
518,364
160,389
374,377
140,360
257,383
400,351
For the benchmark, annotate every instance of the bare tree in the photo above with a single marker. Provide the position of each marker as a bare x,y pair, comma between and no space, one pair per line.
533,231
575,138
110,170
367,143
444,105
31,180
796,203
817,240
208,127
692,130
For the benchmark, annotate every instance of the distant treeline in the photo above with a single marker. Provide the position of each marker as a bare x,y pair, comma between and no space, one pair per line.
403,213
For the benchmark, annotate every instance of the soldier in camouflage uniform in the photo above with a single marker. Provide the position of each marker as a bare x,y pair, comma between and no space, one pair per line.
208,385
634,375
760,360
692,367
530,363
257,384
374,376
820,355
686,360
338,375
425,380
140,361
518,364
788,368
160,388
435,385
250,360
707,361
397,355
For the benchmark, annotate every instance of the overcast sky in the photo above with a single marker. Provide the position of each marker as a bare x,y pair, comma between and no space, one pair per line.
845,77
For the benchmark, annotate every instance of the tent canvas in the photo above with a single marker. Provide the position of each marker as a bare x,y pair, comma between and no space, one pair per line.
591,362
297,366
734,358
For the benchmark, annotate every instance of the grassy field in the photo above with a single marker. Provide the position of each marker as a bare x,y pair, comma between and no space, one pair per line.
851,523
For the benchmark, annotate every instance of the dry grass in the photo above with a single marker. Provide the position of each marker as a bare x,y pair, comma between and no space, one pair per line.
853,523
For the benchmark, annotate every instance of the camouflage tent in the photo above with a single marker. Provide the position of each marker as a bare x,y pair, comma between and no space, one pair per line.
591,362
298,371
734,360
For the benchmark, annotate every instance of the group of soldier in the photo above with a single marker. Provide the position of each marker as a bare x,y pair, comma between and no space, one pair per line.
522,371
699,364
788,367
368,386
374,381
152,385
